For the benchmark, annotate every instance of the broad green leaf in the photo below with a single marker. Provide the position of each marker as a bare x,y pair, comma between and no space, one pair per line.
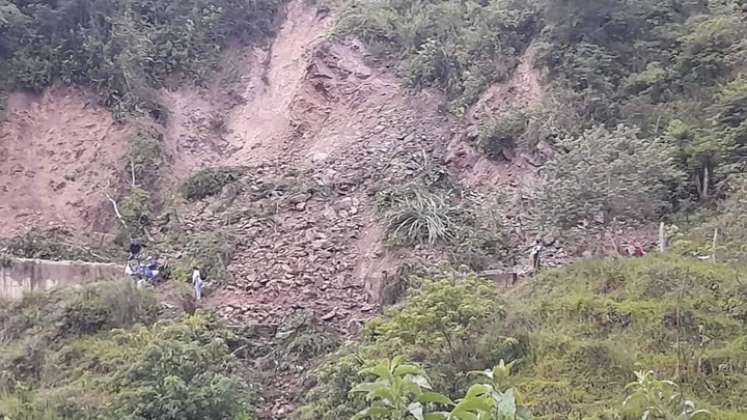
382,393
403,370
478,390
372,412
434,397
463,415
366,387
474,404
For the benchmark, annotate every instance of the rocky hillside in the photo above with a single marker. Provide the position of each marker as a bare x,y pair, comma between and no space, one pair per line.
318,161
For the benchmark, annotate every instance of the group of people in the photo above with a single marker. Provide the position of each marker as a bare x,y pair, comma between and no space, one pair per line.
153,272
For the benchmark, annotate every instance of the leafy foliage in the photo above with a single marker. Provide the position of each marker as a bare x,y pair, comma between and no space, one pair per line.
87,356
136,210
579,333
452,325
144,157
122,49
661,399
402,391
211,251
460,47
605,174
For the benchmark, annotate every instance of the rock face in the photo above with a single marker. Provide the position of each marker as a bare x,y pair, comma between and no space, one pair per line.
21,275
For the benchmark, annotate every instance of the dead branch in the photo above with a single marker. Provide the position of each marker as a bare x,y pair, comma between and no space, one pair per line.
132,171
114,204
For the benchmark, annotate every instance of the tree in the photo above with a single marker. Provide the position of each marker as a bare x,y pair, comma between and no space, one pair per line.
605,174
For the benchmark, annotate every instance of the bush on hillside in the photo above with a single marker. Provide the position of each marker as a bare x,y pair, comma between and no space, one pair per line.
211,251
447,324
402,391
136,211
208,182
605,174
500,134
144,158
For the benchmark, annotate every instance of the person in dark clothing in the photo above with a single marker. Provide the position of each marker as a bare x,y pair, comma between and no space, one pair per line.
136,246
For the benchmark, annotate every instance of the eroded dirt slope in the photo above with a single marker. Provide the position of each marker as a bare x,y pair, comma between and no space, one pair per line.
57,152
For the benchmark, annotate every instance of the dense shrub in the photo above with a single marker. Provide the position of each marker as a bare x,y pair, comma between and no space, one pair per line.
97,354
144,158
209,182
500,134
606,174
211,251
135,209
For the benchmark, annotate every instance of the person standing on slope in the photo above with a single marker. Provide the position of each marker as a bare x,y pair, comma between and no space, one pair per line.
535,255
197,283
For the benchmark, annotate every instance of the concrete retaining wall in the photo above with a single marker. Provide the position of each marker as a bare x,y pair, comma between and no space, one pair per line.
21,275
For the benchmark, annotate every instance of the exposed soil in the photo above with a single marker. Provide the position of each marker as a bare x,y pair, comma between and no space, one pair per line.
57,152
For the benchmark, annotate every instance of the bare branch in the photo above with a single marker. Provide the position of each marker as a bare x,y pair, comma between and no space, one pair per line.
132,171
114,204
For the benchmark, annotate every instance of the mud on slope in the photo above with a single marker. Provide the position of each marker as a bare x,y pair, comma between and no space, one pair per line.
57,151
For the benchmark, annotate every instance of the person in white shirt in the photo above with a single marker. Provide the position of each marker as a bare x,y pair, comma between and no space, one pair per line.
197,283
535,254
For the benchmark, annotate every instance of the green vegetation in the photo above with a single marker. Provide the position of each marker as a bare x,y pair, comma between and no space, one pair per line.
135,209
208,182
402,391
122,49
144,158
670,68
728,221
606,174
431,212
501,134
211,251
577,335
98,354
415,215
458,46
